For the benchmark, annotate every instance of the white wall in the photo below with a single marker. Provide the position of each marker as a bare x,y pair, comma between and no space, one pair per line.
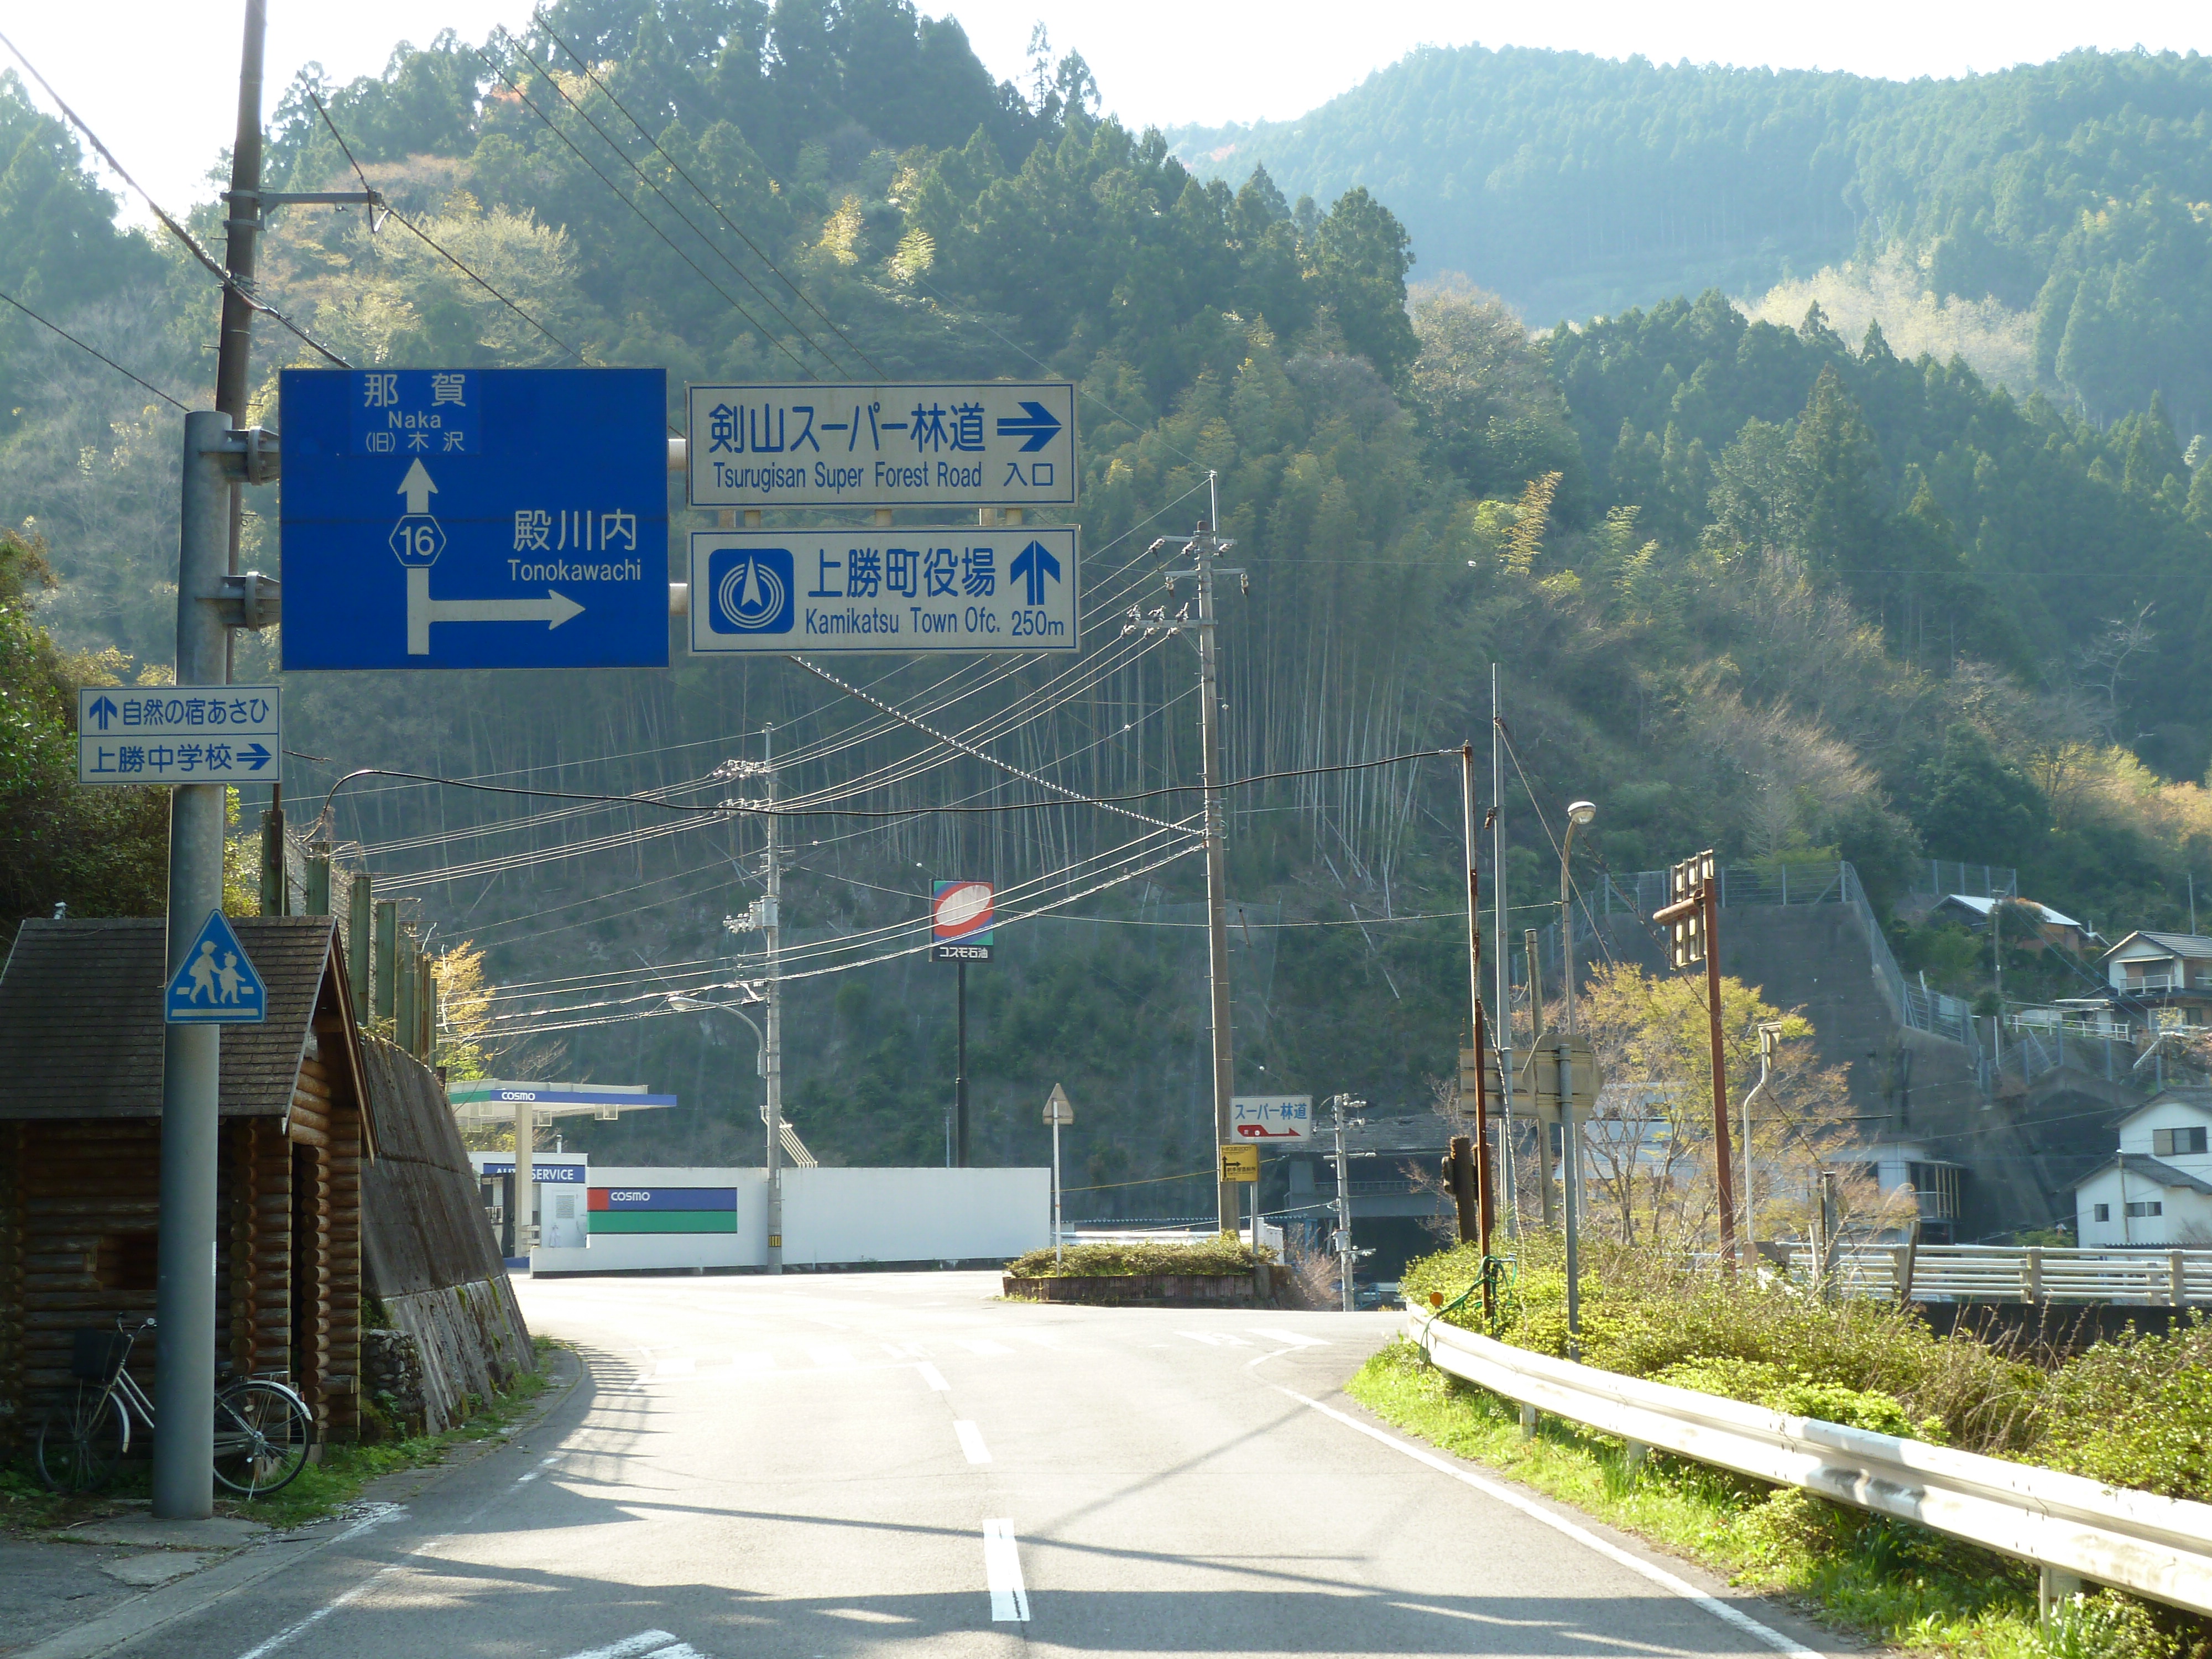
914,1215
614,1252
832,1217
2186,1218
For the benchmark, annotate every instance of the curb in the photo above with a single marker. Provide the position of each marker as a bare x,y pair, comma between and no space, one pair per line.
141,1615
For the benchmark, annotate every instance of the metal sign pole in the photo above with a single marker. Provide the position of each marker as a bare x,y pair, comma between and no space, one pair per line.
774,1046
192,1077
960,1074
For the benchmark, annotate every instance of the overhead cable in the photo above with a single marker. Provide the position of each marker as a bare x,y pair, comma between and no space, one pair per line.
540,18
243,290
94,350
553,127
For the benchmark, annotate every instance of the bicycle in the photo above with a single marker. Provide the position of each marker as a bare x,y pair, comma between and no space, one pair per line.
263,1429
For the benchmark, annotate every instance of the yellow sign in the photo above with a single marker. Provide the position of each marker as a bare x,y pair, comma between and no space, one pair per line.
1240,1162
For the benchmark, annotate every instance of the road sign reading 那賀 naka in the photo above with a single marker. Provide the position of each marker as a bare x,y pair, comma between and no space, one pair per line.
908,589
992,443
178,733
475,518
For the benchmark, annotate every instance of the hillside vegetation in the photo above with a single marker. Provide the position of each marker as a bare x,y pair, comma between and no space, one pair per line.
1751,585
2074,193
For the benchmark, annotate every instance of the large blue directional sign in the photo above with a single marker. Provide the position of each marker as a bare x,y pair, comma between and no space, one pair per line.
986,443
216,985
475,518
915,588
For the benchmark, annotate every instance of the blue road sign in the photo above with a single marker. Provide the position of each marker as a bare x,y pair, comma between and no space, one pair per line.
216,984
475,518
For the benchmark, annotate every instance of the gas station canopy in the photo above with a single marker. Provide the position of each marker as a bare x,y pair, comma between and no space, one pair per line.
488,1103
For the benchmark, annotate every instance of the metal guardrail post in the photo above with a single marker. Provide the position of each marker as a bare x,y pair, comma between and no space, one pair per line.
2031,1275
2177,1265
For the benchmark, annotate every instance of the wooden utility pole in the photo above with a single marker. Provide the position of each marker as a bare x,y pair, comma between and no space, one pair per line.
1485,1205
1693,913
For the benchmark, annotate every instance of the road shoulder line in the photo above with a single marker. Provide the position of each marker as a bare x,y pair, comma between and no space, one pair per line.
1726,1613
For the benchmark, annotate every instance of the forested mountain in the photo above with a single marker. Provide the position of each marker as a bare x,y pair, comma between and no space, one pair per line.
2076,191
1750,585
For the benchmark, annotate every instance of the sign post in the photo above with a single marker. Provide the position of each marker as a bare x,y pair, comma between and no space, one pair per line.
914,589
471,518
1057,1109
960,924
988,443
178,733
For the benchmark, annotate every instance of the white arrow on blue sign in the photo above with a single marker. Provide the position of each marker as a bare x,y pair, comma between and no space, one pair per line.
216,984
986,443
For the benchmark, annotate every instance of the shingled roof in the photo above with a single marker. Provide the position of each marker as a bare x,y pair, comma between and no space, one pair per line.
80,1025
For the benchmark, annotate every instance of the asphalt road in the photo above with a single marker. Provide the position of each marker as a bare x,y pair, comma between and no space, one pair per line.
824,1465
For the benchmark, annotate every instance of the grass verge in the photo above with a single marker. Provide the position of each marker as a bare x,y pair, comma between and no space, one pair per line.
1873,1576
323,1488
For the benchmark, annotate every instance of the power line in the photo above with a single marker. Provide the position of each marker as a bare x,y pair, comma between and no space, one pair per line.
244,291
435,246
645,218
95,351
539,17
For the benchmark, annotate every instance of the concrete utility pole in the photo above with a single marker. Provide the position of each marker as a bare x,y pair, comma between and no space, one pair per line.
1578,813
1505,1131
1345,1253
1205,546
772,1056
1484,1212
1547,1172
185,1292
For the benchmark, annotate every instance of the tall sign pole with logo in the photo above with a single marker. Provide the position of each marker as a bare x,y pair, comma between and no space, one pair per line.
960,930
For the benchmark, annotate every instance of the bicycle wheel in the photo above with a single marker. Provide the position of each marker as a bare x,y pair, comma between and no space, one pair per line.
262,1434
80,1444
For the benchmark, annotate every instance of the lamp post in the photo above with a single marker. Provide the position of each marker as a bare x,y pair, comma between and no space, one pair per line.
691,1005
1578,813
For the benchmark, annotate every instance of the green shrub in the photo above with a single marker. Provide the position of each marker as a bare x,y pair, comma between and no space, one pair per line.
1223,1253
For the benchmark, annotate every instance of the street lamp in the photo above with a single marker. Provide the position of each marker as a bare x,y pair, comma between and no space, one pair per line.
690,1005
1578,814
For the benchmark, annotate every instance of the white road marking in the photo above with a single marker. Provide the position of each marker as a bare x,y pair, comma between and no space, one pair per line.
981,1345
752,1361
830,1357
934,1377
1043,1339
1215,1338
676,1368
543,1464
645,1644
1275,1334
1002,1571
971,1442
1719,1609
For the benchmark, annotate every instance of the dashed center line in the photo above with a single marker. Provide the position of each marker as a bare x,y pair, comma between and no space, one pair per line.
971,1442
1294,1338
1002,1573
934,1377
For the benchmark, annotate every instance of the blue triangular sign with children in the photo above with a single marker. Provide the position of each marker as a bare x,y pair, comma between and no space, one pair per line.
216,984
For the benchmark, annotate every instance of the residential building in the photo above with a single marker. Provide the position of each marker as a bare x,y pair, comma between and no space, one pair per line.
2024,923
1894,1166
2162,980
2157,1189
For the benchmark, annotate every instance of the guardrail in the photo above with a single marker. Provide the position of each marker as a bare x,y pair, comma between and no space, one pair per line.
2069,1526
1989,1273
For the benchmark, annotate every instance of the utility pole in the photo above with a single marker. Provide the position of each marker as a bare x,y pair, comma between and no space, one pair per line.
772,1057
1505,1131
1578,814
1547,1172
1345,1253
1693,914
185,1292
1205,546
1484,1209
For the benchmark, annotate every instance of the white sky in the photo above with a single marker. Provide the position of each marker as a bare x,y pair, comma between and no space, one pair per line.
128,65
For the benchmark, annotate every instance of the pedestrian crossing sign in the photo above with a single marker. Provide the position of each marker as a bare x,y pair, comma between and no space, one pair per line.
216,984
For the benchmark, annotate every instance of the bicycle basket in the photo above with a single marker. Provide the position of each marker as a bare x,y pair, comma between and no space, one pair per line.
97,1356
